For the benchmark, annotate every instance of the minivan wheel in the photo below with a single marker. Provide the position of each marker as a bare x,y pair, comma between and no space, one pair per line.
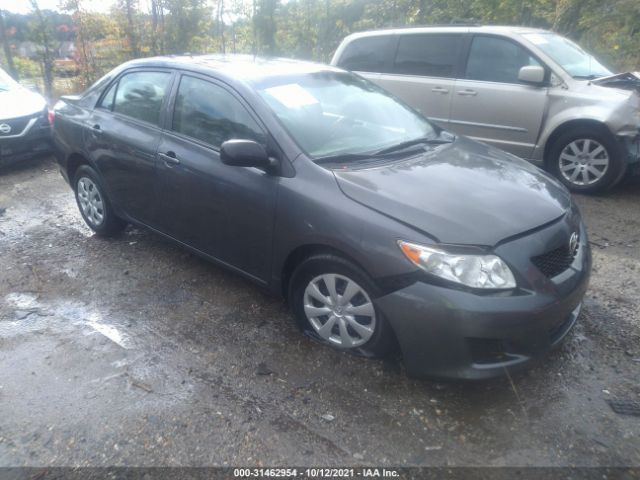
332,300
587,160
94,204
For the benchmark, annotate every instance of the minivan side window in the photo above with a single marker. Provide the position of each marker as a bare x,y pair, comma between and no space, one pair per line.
140,95
367,54
494,59
209,113
431,55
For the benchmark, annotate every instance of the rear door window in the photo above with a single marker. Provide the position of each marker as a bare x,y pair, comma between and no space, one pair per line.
429,54
367,54
494,59
140,95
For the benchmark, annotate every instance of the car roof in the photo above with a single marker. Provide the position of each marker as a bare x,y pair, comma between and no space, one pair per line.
498,29
249,68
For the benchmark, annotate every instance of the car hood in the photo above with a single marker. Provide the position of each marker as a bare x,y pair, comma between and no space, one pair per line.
623,81
463,193
20,102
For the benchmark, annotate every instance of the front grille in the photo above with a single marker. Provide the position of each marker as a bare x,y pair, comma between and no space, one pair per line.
17,126
554,262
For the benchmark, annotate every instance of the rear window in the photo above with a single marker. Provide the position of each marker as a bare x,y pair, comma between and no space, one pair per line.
368,54
431,55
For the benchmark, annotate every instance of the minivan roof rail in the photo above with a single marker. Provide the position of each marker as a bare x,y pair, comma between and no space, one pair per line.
428,25
452,24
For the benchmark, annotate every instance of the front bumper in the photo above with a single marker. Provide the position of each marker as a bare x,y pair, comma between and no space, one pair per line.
450,333
33,140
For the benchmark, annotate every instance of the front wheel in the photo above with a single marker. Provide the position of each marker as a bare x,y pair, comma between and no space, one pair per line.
332,300
587,160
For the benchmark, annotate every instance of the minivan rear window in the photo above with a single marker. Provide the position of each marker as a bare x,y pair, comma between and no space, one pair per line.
431,55
368,54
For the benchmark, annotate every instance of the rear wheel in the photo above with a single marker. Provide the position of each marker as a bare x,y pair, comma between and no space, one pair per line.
94,204
587,160
332,300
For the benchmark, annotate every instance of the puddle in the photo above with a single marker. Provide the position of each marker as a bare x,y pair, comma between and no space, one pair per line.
69,272
27,314
111,332
20,220
21,300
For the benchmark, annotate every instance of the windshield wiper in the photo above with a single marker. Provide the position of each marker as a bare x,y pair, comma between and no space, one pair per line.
586,77
439,140
443,138
345,157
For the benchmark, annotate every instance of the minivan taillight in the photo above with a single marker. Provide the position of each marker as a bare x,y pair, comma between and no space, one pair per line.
51,115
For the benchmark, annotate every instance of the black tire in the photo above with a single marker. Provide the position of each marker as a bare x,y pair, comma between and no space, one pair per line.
613,172
98,216
382,340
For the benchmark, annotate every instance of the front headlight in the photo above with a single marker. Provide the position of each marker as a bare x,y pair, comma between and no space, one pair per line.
476,271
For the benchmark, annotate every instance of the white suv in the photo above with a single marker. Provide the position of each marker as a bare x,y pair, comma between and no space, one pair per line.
527,91
24,122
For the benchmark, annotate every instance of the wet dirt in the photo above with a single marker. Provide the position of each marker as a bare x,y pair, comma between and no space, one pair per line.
131,351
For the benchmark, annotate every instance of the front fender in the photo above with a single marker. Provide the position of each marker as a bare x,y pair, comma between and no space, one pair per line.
617,110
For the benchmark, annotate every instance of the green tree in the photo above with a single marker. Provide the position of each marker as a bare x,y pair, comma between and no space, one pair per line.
265,26
42,34
6,46
187,23
130,8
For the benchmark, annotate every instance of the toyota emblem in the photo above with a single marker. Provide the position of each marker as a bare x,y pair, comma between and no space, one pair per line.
4,128
573,243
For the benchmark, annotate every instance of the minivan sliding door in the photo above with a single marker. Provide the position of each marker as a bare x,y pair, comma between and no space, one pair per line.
423,72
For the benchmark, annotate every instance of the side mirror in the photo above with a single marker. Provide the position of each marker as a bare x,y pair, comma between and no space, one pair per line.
245,153
531,74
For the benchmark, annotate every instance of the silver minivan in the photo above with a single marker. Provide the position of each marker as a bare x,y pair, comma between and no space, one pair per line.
528,91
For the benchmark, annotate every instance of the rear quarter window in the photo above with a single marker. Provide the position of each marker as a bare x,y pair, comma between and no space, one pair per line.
368,54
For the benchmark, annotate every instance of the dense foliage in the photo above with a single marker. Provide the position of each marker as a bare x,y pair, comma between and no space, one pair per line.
309,29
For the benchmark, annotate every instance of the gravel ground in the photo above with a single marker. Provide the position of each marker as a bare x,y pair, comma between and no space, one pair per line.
131,351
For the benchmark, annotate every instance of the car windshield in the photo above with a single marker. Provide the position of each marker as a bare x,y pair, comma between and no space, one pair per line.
573,59
6,82
337,113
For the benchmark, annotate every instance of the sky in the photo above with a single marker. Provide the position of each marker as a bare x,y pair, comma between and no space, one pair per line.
24,6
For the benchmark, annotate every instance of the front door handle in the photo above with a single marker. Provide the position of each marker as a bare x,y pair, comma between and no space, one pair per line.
170,158
468,93
96,129
440,90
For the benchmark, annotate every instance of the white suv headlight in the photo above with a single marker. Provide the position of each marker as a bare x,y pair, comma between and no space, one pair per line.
476,271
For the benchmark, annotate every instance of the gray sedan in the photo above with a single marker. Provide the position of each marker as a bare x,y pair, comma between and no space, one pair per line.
381,230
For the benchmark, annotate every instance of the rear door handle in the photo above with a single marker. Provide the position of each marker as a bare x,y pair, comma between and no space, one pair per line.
440,90
170,159
467,93
96,129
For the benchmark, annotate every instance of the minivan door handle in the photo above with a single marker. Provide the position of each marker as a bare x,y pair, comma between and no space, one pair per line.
468,93
96,129
440,90
170,158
